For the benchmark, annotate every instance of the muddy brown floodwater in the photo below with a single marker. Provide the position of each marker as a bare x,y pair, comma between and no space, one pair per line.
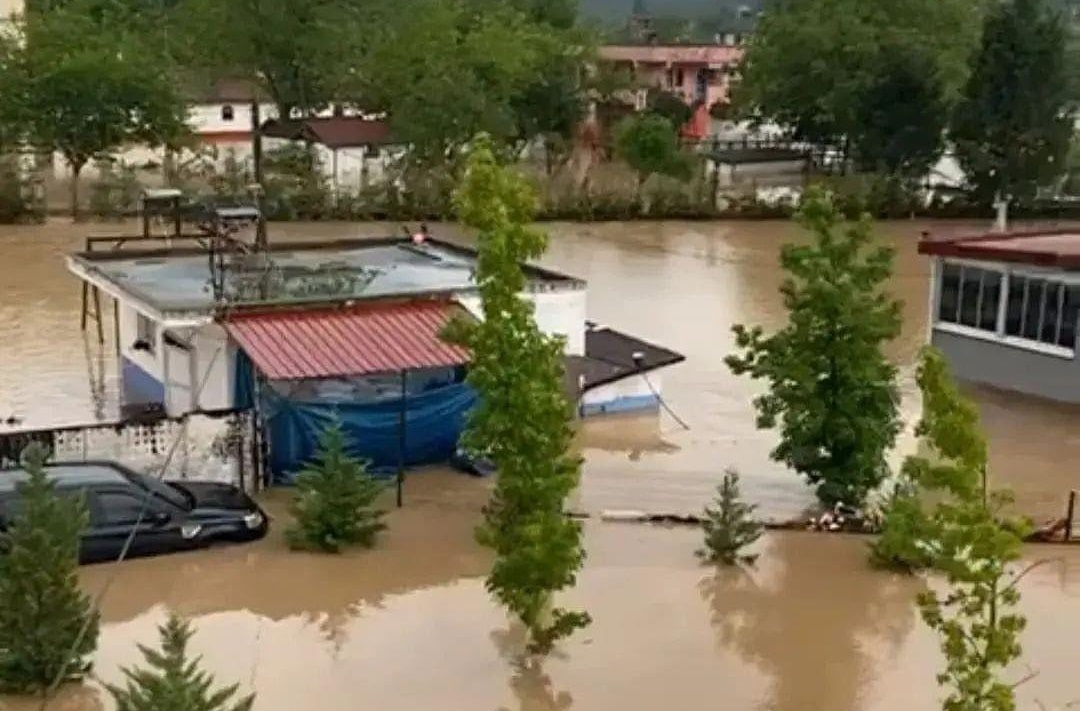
409,626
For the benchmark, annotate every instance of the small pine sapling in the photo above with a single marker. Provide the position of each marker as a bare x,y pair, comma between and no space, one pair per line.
729,525
335,505
171,681
48,625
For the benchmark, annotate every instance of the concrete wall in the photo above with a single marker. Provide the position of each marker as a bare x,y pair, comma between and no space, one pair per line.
631,394
557,313
1010,367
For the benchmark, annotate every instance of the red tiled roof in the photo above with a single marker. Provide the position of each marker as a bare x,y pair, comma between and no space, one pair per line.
1050,248
333,131
363,340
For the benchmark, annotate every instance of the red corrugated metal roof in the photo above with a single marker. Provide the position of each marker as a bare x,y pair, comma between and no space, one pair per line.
328,343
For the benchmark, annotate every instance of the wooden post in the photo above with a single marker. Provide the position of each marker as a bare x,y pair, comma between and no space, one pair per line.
97,315
85,303
116,324
1070,510
402,424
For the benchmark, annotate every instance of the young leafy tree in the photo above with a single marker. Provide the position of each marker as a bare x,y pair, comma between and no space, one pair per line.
729,525
335,502
649,144
48,627
832,393
972,543
171,681
522,423
91,89
1014,123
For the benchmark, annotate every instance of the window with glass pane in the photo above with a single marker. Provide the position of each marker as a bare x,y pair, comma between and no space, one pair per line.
1014,310
1033,309
1070,312
949,299
970,283
1051,312
991,299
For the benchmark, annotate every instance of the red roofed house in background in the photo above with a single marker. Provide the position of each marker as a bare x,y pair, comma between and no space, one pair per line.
1004,309
354,151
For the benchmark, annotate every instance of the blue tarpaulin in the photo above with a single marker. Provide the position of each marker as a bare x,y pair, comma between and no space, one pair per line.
435,419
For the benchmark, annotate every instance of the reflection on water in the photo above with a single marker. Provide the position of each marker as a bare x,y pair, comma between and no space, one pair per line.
774,616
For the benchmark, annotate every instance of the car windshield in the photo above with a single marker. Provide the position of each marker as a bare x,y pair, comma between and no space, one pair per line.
174,496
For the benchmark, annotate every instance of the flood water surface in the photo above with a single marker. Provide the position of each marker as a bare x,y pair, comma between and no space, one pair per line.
409,625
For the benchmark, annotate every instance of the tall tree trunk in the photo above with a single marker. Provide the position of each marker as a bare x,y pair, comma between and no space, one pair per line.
76,171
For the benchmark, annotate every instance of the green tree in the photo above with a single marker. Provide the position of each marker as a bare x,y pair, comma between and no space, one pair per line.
729,525
972,543
89,90
48,626
832,393
649,144
335,502
670,106
517,370
171,681
303,53
1013,125
901,117
813,65
446,70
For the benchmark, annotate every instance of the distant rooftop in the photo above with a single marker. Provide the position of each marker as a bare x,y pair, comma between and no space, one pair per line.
1053,248
179,280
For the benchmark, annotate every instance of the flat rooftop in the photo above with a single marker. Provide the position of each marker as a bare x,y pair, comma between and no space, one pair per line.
1047,248
179,279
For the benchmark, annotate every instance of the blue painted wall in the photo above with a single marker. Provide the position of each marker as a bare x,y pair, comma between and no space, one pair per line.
139,387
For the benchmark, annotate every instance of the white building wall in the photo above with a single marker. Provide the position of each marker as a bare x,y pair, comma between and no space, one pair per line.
215,360
559,313
627,395
145,376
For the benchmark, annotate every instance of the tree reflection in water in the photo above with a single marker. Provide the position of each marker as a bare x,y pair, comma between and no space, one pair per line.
815,629
532,687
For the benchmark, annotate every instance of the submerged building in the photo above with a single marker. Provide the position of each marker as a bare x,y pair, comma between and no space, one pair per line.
347,329
1004,309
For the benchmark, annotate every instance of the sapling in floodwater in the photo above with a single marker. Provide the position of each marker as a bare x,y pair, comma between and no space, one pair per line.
172,681
48,625
969,538
336,498
729,525
522,421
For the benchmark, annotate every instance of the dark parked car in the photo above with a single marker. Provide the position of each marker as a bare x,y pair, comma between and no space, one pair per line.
179,515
